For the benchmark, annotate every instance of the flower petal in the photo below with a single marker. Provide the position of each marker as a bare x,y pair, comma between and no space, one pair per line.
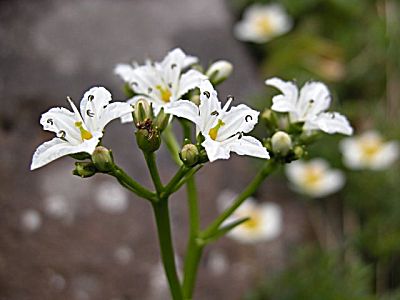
287,101
314,98
209,106
216,150
190,80
124,71
113,111
171,67
331,122
92,106
247,145
56,148
240,118
61,121
183,109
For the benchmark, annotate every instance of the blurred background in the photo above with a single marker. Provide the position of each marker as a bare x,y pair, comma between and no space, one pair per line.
63,237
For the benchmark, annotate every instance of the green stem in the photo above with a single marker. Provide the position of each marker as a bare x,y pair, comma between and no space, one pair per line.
161,213
186,178
171,186
131,184
194,248
267,169
172,144
151,164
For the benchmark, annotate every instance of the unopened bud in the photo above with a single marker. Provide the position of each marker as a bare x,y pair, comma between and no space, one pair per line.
102,159
143,112
84,169
281,143
189,155
148,139
162,120
219,71
298,152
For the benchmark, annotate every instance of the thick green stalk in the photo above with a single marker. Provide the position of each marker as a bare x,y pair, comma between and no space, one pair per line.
131,184
161,213
267,169
194,248
151,164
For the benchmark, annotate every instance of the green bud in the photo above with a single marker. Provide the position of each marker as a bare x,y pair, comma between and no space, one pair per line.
298,152
189,155
195,99
148,139
84,169
219,71
80,156
162,120
143,112
102,159
281,143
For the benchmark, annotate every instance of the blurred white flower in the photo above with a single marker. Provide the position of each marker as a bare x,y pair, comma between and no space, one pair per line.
31,220
78,132
123,254
265,221
160,83
314,178
111,198
262,23
308,106
217,262
223,130
369,151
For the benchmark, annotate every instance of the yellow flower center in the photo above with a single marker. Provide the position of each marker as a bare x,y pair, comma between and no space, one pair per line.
164,92
263,25
253,223
214,131
370,148
85,135
312,176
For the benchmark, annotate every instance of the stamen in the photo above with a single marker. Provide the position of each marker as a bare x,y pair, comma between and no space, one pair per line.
173,66
61,134
90,97
247,117
207,94
90,113
50,121
165,93
215,113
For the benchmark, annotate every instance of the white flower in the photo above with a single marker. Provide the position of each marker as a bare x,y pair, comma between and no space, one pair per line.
369,151
161,83
314,178
111,198
308,106
223,130
31,220
265,221
262,23
78,132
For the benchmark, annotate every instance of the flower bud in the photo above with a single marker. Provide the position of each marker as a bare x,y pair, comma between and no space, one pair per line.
84,169
143,111
102,159
148,139
219,71
189,155
281,143
162,120
298,152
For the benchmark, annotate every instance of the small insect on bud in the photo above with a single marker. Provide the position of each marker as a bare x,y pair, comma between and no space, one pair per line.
84,169
102,159
143,112
162,120
219,71
281,143
189,155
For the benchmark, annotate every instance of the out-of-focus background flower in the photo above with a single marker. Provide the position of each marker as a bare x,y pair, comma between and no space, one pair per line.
62,237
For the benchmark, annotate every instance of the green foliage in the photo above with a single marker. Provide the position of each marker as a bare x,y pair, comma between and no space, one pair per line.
317,275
